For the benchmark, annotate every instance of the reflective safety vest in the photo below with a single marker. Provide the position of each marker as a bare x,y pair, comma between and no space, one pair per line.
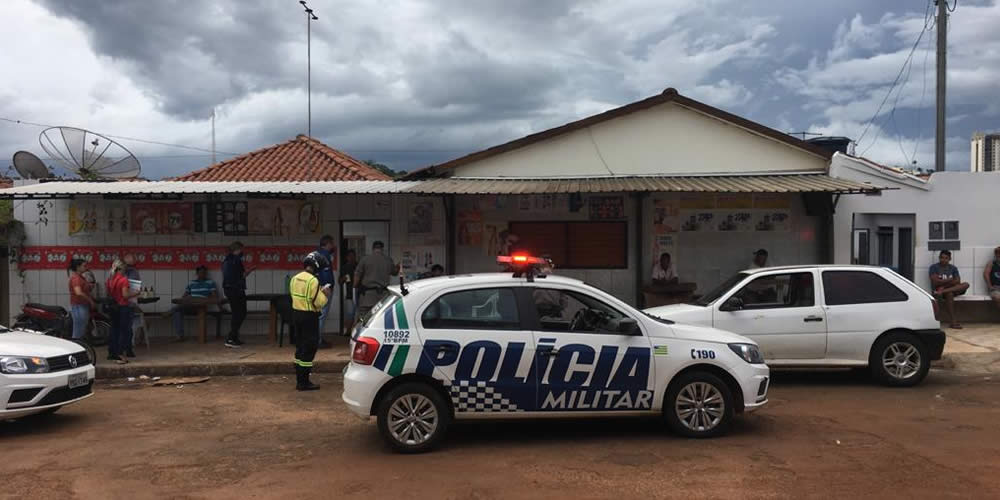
306,295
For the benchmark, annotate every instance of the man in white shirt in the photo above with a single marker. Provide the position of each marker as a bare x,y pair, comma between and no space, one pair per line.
663,271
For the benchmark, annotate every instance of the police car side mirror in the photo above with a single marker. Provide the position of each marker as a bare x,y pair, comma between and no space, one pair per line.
628,326
733,304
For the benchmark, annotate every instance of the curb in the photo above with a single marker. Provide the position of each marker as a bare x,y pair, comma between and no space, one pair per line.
210,370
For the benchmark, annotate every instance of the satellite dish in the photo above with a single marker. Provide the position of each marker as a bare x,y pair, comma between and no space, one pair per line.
29,166
90,155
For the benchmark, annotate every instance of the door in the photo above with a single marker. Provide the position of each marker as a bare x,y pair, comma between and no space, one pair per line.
861,250
906,252
858,302
583,362
356,236
885,248
780,312
474,341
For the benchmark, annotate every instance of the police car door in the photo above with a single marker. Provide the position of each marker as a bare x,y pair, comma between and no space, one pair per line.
474,341
583,361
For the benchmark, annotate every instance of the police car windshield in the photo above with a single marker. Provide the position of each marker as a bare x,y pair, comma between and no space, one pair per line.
720,290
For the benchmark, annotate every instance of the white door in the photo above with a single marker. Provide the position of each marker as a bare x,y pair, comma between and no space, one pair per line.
780,312
584,361
857,305
476,342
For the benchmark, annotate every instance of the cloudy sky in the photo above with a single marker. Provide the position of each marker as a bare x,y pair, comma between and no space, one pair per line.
416,82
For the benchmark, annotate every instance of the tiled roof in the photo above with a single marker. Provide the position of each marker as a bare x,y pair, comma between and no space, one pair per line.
6,182
300,159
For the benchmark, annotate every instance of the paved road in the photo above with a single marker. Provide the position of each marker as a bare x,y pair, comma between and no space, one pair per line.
823,436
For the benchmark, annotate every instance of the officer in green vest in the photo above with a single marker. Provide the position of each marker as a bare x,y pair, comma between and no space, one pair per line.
308,299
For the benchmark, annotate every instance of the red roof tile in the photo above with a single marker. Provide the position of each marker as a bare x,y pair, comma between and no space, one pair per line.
300,159
6,182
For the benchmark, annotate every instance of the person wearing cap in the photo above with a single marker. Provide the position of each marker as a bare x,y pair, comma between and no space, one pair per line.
200,287
759,259
234,284
326,277
372,277
308,300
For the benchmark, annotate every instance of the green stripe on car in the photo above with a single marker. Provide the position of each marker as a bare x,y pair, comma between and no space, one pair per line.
398,360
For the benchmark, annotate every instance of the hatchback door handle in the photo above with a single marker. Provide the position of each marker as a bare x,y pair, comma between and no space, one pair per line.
812,319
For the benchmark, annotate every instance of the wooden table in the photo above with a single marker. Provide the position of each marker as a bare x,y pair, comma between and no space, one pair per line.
272,312
201,304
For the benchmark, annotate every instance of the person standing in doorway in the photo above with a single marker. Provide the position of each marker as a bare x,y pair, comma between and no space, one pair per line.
759,259
992,276
234,285
80,299
326,277
946,284
372,277
308,299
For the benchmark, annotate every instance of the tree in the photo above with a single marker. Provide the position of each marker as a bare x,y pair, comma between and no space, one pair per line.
381,167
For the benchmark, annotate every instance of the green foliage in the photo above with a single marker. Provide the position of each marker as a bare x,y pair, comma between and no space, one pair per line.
381,167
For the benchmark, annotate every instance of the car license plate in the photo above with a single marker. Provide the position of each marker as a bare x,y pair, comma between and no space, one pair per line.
78,380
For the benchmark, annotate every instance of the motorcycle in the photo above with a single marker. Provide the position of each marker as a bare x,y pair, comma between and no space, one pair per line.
57,322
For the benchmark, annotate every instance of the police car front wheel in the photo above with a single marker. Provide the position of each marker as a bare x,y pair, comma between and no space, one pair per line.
413,418
699,404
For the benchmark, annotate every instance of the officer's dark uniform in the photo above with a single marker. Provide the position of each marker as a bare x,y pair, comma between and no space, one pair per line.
307,302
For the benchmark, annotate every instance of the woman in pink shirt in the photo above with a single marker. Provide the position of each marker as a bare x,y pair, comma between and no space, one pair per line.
80,299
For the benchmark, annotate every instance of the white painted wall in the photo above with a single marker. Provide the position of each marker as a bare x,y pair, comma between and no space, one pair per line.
50,286
665,139
968,197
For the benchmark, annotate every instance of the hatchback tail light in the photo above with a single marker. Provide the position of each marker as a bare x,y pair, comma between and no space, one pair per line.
365,349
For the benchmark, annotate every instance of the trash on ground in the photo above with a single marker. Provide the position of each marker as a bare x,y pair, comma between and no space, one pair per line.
131,379
179,381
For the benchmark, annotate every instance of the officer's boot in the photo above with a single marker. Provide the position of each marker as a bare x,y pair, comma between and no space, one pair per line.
302,379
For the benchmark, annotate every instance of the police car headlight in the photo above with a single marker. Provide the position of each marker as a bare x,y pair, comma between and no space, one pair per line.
17,364
749,352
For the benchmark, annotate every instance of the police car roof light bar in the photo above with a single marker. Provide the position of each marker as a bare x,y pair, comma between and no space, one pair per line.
524,265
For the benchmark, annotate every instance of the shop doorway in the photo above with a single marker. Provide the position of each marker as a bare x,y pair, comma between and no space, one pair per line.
357,237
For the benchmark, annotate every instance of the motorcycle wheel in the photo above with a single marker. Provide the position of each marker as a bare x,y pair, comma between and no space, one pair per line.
98,332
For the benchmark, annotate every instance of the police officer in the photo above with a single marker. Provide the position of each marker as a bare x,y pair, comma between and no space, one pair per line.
308,299
371,278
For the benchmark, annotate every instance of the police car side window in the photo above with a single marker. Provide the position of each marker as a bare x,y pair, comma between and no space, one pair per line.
566,311
480,309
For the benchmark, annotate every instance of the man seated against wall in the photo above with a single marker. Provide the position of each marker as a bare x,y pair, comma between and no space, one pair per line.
992,276
200,288
946,284
663,271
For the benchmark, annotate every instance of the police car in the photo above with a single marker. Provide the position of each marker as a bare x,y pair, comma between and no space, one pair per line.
528,345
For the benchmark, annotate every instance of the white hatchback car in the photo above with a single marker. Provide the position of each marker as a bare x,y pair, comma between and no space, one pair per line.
826,316
40,374
497,346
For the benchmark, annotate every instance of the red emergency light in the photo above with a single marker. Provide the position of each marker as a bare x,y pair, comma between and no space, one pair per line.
525,265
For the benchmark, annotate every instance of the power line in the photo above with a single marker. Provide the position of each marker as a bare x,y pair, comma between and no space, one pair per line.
147,141
923,94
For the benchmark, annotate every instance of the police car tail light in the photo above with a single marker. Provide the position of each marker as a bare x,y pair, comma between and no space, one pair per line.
365,349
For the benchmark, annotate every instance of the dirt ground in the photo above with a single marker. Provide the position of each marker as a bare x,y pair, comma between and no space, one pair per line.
830,435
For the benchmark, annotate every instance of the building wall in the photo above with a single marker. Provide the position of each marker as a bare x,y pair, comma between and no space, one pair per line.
50,286
967,197
666,139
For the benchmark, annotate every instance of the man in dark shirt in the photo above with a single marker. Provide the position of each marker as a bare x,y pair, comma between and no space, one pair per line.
992,276
946,284
348,266
325,277
234,284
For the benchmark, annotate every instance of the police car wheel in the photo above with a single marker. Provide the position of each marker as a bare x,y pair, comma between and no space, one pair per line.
413,418
699,405
899,360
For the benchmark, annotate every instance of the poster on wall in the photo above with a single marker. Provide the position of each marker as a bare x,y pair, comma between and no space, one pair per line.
235,218
470,228
698,221
735,220
666,216
83,218
283,218
162,218
607,207
116,217
664,243
420,220
772,220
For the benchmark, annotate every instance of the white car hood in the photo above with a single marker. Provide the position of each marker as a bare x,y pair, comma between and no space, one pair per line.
708,334
683,313
15,343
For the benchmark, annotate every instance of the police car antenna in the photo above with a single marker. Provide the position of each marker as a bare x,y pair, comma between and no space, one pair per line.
402,286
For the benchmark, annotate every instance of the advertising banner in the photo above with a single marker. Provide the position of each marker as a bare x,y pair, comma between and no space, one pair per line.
163,258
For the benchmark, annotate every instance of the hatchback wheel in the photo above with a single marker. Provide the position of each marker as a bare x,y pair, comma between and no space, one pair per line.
699,404
899,360
413,418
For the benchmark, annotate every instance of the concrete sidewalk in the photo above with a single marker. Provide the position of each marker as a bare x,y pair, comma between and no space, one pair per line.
974,349
256,357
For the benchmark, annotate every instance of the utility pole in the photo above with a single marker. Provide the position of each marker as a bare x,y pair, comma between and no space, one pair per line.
942,77
213,136
310,17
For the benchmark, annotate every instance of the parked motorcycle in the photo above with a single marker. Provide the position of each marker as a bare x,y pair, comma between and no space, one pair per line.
57,322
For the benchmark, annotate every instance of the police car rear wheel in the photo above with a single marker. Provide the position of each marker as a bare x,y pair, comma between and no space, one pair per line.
413,417
699,404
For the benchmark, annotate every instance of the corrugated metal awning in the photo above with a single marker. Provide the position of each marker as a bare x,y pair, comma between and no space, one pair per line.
776,183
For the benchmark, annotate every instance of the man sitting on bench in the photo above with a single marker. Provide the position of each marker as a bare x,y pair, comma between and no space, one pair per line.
946,284
992,276
200,287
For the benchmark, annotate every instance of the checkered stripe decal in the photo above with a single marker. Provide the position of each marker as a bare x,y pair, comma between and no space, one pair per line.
478,397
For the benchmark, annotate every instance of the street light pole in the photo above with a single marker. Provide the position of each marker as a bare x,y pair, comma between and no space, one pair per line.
310,17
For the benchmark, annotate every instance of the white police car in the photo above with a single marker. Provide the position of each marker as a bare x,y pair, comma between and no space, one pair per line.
503,346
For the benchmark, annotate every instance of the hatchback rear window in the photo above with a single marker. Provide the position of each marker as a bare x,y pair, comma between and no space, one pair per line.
859,287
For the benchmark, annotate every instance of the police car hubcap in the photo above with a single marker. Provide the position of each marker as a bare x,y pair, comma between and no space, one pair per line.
700,406
901,360
413,419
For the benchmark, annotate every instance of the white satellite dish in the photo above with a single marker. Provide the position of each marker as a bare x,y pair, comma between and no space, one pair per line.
90,155
29,166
